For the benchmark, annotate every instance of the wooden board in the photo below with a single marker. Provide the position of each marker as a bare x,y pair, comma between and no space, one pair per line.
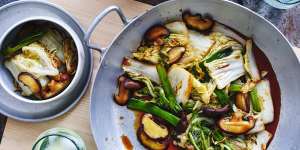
19,135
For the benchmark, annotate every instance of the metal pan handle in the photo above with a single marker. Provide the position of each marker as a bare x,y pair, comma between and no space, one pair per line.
97,20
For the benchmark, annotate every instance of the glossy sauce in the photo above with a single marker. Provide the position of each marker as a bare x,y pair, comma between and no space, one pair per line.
264,64
126,142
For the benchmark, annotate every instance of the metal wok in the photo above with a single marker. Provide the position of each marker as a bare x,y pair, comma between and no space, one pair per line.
106,126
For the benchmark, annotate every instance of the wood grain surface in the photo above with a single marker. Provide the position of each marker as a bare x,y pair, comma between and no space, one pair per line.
20,135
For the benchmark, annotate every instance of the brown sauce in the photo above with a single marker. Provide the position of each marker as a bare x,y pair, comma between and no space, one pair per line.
264,64
126,142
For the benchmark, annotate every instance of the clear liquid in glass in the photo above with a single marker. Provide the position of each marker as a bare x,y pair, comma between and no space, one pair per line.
283,4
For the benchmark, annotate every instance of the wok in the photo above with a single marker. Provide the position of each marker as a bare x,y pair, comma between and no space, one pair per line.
106,125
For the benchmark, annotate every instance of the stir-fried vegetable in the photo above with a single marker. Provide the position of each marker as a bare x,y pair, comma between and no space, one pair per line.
225,69
219,55
134,66
222,97
235,87
180,80
150,108
255,100
250,64
264,93
201,77
26,41
40,66
199,133
198,47
166,85
259,141
148,54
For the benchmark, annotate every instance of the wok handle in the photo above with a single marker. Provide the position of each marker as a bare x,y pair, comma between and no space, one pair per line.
97,20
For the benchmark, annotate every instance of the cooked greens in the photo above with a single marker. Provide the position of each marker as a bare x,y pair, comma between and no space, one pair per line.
198,88
26,41
42,62
148,107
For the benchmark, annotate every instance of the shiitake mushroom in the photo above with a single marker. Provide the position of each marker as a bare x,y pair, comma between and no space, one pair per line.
54,87
197,21
125,86
242,101
156,32
175,54
122,94
215,112
132,85
149,143
30,81
152,134
236,124
153,129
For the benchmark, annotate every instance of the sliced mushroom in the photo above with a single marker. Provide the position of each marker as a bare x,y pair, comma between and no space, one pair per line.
122,95
236,124
132,85
197,22
150,143
156,32
54,87
175,54
153,129
215,112
242,102
30,81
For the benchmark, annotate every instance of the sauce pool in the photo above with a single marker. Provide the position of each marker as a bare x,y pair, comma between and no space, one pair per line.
264,64
126,142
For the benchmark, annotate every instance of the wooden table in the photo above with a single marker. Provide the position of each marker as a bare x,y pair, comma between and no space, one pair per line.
19,135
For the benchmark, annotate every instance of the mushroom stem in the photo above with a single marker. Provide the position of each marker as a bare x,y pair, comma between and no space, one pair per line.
122,95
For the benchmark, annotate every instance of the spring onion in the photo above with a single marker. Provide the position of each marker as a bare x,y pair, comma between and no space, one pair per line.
26,41
223,98
219,55
150,108
235,87
166,85
255,100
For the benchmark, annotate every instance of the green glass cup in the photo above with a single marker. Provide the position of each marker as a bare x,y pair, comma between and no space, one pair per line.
283,4
59,139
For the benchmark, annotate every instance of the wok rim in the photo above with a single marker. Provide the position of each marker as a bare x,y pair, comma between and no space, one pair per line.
116,38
